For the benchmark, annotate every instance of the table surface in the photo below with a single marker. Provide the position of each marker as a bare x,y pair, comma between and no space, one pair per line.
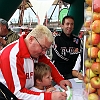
77,90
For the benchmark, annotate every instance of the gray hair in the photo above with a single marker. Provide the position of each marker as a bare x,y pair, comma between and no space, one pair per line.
4,22
41,31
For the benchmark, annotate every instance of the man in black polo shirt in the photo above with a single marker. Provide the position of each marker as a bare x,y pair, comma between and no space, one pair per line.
66,49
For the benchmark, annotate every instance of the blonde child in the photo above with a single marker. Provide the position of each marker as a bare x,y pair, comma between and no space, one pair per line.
42,78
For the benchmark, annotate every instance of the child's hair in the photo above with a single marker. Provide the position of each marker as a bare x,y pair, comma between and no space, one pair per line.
40,70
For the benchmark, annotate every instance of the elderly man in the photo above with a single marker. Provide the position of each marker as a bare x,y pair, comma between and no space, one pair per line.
17,65
8,35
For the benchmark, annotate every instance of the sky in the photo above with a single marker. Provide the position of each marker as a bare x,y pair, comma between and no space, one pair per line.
28,13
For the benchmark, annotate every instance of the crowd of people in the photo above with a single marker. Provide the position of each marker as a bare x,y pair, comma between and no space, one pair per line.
28,72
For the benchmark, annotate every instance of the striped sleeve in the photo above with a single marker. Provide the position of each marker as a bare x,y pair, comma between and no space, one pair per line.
12,75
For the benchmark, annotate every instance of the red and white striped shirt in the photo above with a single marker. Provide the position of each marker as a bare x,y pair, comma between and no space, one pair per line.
17,71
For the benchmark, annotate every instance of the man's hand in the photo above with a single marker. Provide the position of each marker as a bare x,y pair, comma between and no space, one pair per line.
80,76
65,83
58,96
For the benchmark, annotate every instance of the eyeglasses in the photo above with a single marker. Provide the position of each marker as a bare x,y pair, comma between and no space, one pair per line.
43,48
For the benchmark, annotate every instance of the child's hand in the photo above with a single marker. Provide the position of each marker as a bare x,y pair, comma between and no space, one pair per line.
51,89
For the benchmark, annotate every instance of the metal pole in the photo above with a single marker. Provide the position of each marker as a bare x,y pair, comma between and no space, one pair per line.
31,8
53,10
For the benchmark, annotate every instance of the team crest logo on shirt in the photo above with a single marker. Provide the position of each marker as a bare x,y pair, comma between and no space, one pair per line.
76,40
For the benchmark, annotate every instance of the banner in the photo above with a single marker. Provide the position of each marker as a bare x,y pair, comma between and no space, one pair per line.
62,14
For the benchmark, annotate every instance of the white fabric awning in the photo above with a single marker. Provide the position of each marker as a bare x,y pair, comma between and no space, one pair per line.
41,7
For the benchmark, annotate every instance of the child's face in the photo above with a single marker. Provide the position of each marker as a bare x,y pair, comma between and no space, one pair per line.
47,79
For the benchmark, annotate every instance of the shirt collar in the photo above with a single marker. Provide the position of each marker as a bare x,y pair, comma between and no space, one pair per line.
23,48
66,37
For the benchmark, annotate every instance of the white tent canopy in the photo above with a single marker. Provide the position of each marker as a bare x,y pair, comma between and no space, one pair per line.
41,7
